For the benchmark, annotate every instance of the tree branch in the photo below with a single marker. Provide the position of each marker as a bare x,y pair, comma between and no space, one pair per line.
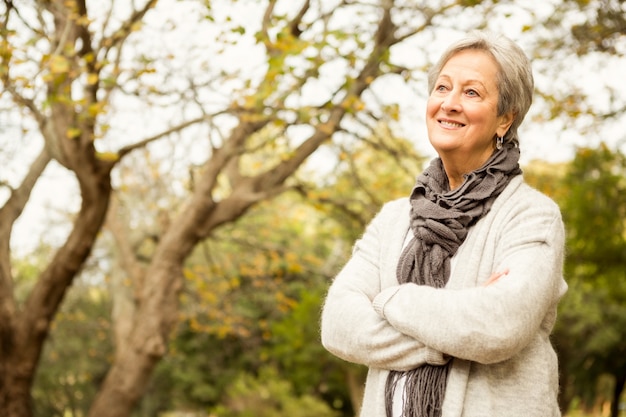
267,17
25,102
49,291
141,144
294,25
9,213
126,29
14,206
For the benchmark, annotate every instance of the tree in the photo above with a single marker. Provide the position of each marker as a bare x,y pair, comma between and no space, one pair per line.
589,332
591,201
591,329
230,136
379,168
77,355
68,66
604,29
580,30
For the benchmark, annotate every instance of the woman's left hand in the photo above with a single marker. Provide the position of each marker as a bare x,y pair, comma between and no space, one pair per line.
495,277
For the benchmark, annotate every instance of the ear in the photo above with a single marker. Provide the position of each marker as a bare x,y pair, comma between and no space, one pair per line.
506,120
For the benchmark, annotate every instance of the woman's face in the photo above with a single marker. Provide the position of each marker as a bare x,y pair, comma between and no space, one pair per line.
461,113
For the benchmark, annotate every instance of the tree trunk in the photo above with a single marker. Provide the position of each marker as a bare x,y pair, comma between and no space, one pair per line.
23,332
620,382
562,349
28,328
155,318
15,390
356,387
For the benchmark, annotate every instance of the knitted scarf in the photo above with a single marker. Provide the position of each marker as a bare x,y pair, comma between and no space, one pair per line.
440,220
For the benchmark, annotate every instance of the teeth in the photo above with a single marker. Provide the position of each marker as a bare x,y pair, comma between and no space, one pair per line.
450,124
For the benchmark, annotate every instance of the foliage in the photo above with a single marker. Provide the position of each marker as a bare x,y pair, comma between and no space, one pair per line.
170,148
604,30
76,356
296,351
266,395
253,291
376,170
593,33
75,68
591,329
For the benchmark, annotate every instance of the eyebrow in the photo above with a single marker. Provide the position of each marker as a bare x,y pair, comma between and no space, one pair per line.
470,81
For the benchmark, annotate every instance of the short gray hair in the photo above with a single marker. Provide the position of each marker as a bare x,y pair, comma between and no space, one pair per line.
515,77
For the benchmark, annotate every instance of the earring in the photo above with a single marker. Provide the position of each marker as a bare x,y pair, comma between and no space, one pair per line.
499,142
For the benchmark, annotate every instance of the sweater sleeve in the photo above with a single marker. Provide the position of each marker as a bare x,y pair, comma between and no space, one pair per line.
491,324
351,328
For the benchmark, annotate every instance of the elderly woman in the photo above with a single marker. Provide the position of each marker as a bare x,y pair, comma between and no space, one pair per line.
450,295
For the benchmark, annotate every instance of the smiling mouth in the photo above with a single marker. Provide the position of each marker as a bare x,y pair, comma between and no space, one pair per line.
448,123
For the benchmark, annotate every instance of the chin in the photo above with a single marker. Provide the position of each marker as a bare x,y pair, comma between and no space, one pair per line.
443,146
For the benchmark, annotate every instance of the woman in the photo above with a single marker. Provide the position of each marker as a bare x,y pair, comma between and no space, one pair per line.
450,295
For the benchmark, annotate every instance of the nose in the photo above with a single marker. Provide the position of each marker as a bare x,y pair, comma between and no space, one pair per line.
451,103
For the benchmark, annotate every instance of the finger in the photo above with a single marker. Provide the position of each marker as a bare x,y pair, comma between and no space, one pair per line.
495,277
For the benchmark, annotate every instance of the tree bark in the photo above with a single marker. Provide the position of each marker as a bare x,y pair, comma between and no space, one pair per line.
620,382
30,325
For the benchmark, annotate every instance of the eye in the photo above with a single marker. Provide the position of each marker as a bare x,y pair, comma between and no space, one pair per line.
471,93
440,88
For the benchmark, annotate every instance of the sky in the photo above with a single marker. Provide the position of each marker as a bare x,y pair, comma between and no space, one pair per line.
174,25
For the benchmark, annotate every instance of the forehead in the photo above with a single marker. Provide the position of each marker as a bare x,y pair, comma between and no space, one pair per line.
471,64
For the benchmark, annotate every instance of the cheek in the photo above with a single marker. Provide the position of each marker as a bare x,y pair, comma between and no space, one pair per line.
484,116
432,106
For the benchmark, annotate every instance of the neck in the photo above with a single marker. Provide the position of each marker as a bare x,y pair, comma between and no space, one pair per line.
456,166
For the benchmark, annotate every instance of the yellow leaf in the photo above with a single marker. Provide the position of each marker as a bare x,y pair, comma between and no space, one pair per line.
107,156
92,78
59,64
73,133
94,109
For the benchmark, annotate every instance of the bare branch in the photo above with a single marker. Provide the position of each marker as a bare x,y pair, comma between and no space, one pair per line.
5,61
264,183
126,251
141,144
294,25
65,34
614,113
385,34
14,206
342,207
12,9
26,103
86,49
8,4
267,17
11,210
127,28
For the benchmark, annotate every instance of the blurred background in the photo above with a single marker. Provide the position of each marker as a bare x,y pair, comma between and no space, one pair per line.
181,179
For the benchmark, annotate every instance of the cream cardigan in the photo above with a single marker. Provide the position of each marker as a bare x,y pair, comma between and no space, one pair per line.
497,336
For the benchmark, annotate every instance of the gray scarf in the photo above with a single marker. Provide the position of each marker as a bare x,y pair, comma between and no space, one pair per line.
440,220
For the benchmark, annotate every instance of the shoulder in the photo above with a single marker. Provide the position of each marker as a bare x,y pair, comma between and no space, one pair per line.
391,220
520,196
392,210
397,205
522,210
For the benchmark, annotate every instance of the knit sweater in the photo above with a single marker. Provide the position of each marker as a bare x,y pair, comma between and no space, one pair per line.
497,336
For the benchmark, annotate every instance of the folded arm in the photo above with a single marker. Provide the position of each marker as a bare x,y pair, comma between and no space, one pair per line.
353,330
489,323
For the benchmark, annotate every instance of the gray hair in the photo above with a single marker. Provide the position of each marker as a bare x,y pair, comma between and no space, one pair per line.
515,78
